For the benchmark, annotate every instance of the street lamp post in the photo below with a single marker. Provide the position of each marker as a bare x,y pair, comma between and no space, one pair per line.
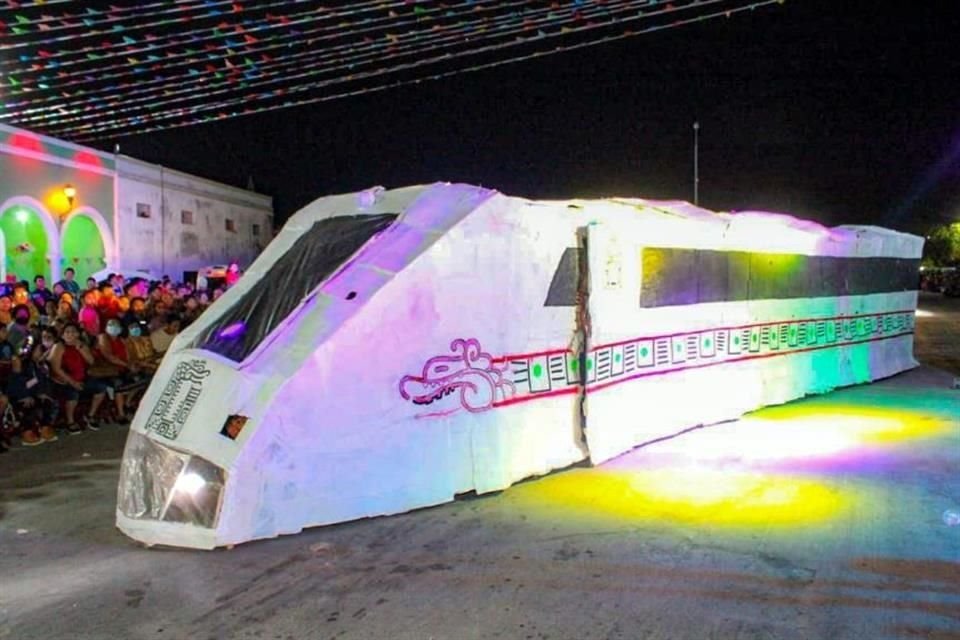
696,163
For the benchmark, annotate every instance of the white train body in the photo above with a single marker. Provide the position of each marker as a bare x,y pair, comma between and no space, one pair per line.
368,364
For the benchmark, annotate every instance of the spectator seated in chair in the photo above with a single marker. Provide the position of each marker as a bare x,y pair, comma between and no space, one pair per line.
26,394
115,368
70,360
140,348
163,337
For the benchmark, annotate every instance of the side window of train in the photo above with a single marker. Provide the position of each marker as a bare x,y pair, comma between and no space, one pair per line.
673,276
566,275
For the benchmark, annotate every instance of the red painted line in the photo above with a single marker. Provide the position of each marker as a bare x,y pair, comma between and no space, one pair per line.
436,414
647,374
535,354
650,374
550,352
744,326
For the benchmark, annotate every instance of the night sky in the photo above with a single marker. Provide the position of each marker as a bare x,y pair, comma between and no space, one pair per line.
840,111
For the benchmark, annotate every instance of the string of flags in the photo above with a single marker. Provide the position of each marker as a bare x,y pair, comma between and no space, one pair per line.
95,73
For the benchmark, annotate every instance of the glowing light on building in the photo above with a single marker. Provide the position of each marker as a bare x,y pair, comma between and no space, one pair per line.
88,158
26,141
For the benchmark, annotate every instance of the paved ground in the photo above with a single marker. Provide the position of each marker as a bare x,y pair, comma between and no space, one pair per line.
820,519
938,336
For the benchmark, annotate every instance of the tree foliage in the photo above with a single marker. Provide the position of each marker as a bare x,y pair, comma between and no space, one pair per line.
942,248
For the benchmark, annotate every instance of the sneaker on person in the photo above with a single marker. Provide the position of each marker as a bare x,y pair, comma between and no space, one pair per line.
48,434
30,438
74,429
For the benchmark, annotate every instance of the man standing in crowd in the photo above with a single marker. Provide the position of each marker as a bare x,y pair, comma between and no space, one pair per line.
41,295
68,283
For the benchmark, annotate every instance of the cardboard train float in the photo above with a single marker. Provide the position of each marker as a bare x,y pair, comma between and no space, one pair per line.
391,349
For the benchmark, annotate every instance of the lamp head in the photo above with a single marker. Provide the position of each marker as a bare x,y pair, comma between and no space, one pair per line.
70,192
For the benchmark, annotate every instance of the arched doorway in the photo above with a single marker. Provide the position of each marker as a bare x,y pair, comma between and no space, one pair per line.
86,245
28,237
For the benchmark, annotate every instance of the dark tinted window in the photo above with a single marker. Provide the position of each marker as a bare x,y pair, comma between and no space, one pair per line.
313,257
563,287
692,276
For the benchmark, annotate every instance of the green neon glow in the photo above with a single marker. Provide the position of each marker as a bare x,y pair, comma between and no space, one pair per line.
83,247
25,243
537,371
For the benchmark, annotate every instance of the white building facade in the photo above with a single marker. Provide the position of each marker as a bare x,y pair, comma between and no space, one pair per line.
180,223
64,205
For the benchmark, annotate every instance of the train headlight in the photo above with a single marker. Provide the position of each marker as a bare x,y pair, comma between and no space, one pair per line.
160,483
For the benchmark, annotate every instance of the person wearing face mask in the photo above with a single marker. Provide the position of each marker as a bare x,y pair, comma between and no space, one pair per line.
115,369
20,328
141,348
21,297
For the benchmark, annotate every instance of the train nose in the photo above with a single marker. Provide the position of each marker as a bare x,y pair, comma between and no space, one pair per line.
160,483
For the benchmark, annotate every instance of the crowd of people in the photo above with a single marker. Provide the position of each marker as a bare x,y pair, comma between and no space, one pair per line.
76,356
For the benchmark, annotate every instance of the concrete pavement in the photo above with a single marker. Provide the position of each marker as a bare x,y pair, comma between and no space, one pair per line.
938,332
819,519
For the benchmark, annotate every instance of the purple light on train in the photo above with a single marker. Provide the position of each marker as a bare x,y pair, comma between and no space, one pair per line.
233,331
